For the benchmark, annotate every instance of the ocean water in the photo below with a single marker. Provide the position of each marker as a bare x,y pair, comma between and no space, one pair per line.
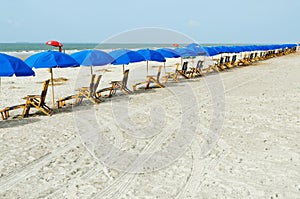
23,50
27,47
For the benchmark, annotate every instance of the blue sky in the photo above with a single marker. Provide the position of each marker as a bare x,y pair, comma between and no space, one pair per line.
211,21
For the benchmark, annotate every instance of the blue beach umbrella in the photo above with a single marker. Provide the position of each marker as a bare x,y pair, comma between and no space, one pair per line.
51,59
124,56
186,52
151,55
10,65
92,58
168,53
196,48
210,51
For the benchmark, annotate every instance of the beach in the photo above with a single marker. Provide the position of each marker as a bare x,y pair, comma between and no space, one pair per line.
233,134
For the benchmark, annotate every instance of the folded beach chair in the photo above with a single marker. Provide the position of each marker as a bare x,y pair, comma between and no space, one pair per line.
37,101
116,85
83,92
151,79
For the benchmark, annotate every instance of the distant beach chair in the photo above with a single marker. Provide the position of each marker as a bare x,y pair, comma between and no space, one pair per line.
90,92
172,75
222,63
83,92
151,79
37,101
214,67
184,71
115,86
197,71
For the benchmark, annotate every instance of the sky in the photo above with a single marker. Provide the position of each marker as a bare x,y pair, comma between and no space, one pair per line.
95,21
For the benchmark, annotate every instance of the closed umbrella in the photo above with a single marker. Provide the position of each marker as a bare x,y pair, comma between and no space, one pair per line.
92,58
124,56
51,59
151,55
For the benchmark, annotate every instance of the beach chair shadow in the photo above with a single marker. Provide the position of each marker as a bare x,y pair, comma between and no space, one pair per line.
151,79
115,86
37,101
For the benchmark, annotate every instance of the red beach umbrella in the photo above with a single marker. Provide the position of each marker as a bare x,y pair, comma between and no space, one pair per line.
55,43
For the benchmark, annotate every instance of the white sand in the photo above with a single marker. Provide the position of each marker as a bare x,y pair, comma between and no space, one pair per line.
249,150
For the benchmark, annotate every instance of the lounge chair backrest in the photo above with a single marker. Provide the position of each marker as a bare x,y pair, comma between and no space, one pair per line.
233,58
125,78
221,60
44,92
251,55
227,59
184,66
159,72
200,64
96,84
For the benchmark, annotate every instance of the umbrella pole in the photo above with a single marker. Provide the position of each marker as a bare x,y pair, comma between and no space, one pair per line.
123,68
147,67
165,67
91,70
52,87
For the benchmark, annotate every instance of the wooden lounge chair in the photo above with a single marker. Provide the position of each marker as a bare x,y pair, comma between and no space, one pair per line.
84,92
184,71
90,92
151,79
172,75
37,101
198,70
222,63
116,85
5,112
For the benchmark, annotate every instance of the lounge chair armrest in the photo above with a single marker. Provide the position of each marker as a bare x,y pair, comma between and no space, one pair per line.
31,96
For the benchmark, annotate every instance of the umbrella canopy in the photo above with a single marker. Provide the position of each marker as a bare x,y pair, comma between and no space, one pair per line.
186,52
168,53
151,55
210,51
51,59
10,65
54,43
92,58
124,56
197,48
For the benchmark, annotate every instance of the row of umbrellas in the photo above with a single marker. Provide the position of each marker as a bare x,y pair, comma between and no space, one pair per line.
10,65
